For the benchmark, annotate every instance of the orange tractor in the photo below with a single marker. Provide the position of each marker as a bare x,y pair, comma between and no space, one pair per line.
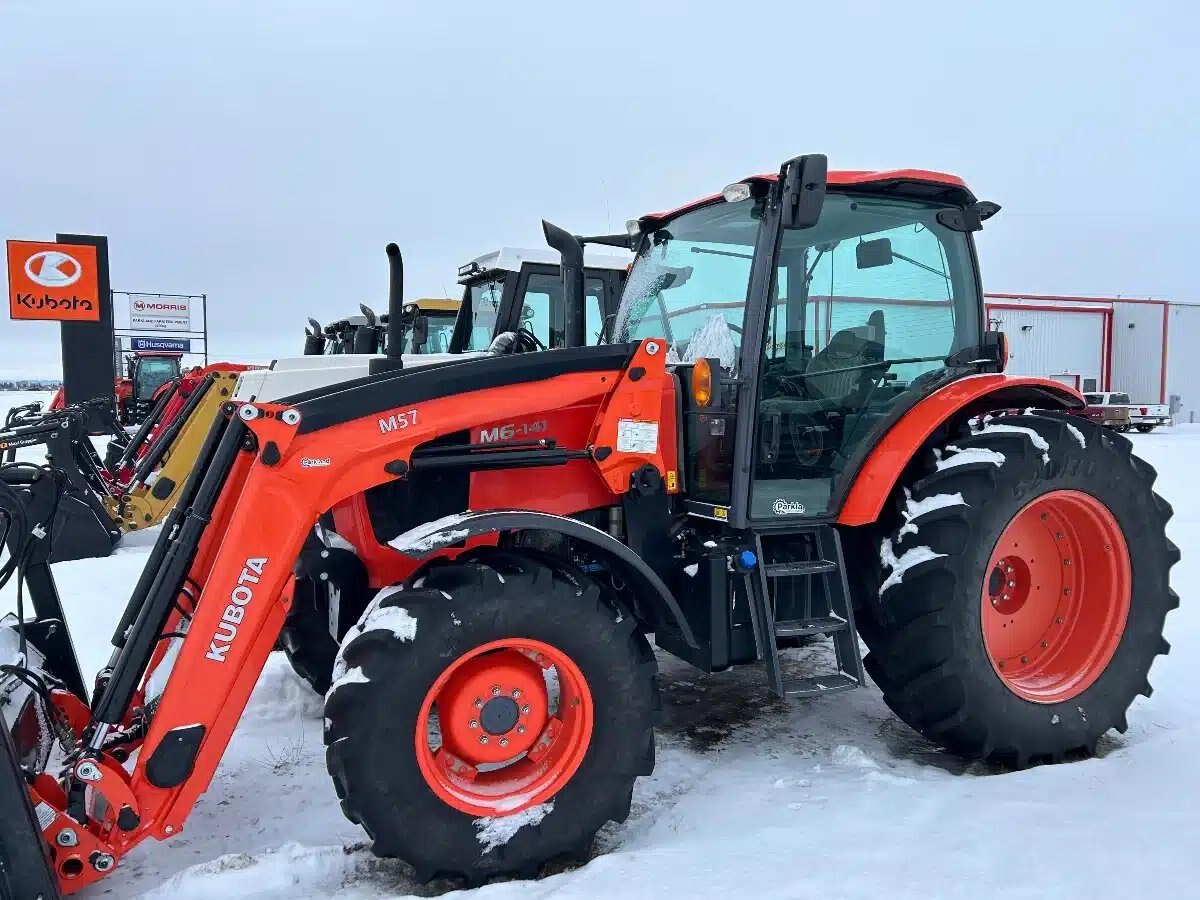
790,434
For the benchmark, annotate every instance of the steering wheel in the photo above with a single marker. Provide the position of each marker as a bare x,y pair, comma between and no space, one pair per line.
524,337
520,341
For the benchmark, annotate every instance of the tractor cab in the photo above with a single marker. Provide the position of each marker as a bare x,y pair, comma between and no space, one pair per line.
145,373
428,325
817,329
520,289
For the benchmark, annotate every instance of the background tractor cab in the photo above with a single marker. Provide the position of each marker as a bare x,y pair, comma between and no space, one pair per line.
513,291
519,289
145,373
428,326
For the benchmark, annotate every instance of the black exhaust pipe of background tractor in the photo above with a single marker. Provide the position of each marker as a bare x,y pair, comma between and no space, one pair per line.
571,251
314,339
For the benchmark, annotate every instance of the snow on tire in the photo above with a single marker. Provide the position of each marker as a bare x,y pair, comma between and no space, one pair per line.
1008,615
490,716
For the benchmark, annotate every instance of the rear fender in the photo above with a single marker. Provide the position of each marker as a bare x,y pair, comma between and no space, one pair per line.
971,396
435,536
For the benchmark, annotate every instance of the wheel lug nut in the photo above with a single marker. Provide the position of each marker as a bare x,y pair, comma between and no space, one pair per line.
1066,593
1044,645
474,723
483,739
496,690
1058,535
1066,562
1058,620
516,693
1001,664
478,703
1024,659
520,729
503,742
525,710
1004,596
1012,584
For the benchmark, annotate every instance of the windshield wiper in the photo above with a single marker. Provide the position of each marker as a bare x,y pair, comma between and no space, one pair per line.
880,364
723,253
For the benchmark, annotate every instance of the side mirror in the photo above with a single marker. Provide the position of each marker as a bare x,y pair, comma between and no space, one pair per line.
872,254
803,194
420,332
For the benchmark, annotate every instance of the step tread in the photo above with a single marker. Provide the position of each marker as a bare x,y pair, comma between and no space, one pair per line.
802,627
800,567
819,684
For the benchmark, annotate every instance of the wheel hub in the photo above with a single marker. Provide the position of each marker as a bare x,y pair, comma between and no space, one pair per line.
499,715
1056,596
505,739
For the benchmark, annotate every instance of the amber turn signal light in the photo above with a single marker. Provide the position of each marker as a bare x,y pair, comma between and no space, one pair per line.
702,382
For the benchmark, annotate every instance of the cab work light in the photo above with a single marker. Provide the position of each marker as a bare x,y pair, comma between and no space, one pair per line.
702,382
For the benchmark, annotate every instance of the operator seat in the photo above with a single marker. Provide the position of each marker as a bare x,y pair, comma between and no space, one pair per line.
832,388
839,388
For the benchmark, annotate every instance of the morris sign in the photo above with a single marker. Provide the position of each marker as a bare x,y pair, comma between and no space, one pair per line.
159,313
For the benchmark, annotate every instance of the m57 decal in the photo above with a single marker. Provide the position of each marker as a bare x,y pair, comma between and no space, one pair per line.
398,421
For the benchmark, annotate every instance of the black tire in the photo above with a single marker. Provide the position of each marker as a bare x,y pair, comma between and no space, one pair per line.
460,606
305,639
927,650
1121,429
1145,429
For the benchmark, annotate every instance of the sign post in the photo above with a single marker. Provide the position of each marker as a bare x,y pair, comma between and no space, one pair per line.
87,363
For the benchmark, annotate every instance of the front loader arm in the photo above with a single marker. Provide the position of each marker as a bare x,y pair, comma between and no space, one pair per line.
261,482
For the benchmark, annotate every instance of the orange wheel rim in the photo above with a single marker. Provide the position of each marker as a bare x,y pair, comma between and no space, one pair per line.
504,727
1056,596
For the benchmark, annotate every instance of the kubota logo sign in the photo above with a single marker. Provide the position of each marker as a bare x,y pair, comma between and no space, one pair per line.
53,281
53,268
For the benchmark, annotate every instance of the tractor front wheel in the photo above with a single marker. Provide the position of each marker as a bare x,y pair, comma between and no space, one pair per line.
1020,595
490,716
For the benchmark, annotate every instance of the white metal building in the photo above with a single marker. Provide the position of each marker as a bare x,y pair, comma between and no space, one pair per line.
1150,349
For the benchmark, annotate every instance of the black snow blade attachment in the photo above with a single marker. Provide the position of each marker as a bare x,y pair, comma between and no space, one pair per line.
25,872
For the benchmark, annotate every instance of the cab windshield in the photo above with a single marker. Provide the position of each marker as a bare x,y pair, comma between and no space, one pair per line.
441,329
153,372
688,284
483,306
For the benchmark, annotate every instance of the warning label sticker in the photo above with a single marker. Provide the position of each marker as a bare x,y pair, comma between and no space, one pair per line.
637,437
45,815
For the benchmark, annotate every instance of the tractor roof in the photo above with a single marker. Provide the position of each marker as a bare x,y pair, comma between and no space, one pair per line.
910,182
510,259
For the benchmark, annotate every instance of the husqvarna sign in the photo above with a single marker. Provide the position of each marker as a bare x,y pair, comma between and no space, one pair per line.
58,282
154,313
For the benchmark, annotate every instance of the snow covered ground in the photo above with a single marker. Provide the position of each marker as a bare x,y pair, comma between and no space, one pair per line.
752,796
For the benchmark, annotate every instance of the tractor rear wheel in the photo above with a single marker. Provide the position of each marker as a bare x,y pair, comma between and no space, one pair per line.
490,716
1020,595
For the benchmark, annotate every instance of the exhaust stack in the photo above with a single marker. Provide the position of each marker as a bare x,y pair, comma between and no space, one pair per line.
571,251
395,324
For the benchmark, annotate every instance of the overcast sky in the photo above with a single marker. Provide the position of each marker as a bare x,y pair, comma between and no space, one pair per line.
265,152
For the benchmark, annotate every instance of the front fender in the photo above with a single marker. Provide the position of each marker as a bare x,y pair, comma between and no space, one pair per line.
976,394
423,540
